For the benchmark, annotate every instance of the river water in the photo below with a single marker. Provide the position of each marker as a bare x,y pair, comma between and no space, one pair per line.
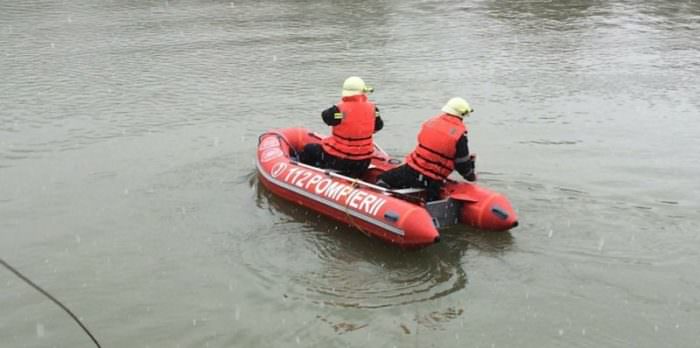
128,187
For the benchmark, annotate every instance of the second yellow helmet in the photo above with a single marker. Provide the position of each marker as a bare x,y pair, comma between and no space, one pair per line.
457,107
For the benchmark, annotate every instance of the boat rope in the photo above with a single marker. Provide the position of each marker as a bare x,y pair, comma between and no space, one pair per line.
45,293
283,138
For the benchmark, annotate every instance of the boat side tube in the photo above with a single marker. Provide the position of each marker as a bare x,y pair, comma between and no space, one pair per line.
372,209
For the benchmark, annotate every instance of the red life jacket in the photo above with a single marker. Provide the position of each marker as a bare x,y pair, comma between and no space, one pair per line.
352,138
434,156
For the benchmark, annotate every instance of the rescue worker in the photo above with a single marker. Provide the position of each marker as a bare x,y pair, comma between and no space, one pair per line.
354,120
442,147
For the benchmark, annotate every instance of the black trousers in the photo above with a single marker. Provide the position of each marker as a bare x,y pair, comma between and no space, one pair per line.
404,176
314,155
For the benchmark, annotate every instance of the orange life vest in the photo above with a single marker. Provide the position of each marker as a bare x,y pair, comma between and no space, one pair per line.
434,156
352,138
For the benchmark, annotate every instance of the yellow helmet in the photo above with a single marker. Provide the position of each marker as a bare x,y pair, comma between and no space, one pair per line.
354,85
457,107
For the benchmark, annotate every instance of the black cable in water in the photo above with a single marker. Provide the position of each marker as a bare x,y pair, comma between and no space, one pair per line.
39,289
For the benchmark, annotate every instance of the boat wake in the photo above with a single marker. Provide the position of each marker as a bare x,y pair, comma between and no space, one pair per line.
329,264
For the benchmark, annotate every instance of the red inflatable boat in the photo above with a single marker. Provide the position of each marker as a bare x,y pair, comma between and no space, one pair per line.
399,217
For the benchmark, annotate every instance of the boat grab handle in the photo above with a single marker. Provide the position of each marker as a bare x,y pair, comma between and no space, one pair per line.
282,137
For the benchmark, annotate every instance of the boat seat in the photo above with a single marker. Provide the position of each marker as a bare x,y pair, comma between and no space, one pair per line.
408,191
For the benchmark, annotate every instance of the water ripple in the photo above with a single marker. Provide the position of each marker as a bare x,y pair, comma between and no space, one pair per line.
347,269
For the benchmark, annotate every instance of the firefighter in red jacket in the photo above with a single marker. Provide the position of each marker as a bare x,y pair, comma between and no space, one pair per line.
442,147
354,120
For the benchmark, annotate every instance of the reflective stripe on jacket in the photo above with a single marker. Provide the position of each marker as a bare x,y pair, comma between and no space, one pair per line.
352,138
434,156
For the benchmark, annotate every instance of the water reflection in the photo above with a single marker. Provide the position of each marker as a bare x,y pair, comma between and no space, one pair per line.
681,11
344,268
659,13
551,10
